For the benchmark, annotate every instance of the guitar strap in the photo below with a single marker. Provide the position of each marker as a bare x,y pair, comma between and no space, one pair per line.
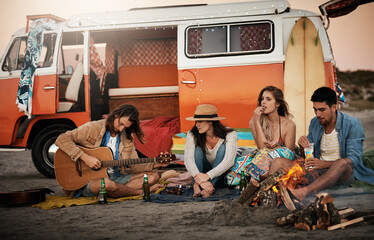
104,143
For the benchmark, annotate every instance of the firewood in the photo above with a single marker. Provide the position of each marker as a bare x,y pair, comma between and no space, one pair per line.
345,224
247,192
286,197
308,217
251,192
289,219
268,198
335,217
302,226
346,212
321,210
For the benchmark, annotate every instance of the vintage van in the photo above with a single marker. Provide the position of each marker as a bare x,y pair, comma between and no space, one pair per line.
164,60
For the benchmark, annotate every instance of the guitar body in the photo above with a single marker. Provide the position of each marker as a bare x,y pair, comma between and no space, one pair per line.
74,175
66,171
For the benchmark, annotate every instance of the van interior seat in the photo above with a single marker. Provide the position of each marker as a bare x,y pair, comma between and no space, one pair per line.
148,76
71,94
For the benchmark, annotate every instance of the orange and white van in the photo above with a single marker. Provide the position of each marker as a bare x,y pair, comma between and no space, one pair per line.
164,60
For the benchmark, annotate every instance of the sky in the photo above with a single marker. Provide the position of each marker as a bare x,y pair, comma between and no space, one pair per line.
351,36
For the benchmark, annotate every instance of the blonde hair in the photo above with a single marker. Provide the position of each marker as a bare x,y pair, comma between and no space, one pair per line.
266,127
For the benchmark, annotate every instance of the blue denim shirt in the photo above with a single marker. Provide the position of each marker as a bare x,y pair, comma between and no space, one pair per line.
351,137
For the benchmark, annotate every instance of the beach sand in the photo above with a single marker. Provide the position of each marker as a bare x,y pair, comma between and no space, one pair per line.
135,219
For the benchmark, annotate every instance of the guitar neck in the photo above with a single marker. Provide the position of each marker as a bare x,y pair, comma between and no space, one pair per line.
123,162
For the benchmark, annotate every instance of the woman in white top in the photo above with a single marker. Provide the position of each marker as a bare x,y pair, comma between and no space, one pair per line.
210,150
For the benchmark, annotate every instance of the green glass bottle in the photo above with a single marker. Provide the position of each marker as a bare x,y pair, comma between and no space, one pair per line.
146,189
243,182
103,195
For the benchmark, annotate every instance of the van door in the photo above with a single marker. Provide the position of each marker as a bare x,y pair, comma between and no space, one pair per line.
45,81
44,89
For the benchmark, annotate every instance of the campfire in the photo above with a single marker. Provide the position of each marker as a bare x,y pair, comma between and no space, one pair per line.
273,191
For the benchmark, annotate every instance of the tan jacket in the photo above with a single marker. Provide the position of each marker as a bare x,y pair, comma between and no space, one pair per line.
90,135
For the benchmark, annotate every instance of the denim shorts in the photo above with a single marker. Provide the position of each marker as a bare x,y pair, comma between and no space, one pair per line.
123,179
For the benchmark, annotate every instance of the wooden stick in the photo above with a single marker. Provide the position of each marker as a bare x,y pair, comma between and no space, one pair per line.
346,212
286,197
247,192
344,224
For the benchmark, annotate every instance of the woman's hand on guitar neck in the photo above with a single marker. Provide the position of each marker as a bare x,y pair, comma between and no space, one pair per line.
91,161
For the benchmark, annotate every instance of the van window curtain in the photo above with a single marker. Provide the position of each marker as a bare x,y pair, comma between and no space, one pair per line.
148,52
109,57
96,65
255,37
195,41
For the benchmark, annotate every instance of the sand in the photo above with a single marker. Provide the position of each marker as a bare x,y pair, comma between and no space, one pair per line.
136,219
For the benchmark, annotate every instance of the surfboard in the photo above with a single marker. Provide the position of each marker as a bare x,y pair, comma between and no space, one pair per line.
304,72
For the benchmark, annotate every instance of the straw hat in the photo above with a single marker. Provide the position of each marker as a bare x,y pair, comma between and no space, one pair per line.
205,112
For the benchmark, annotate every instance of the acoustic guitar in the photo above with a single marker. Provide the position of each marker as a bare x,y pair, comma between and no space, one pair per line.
74,175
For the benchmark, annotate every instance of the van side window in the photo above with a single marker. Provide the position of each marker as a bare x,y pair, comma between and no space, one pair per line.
229,39
14,58
48,49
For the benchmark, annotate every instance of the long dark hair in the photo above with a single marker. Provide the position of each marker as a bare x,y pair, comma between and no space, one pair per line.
279,98
130,111
219,130
282,110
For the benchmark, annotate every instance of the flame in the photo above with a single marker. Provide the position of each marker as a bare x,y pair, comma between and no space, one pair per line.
275,189
294,176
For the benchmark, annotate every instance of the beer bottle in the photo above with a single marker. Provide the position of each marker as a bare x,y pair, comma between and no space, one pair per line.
146,189
102,198
242,183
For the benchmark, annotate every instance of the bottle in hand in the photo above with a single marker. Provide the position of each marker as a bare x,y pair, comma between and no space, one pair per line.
103,195
243,182
146,189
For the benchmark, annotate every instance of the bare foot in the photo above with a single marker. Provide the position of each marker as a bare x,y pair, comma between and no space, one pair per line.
300,194
196,190
155,187
205,194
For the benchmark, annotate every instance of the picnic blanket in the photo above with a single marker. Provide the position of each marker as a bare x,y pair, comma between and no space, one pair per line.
187,196
53,202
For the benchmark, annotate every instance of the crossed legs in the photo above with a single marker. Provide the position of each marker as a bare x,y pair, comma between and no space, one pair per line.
133,187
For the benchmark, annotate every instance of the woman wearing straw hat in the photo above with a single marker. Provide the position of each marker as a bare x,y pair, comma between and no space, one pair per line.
209,151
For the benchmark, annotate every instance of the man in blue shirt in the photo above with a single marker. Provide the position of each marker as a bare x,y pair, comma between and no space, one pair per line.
338,145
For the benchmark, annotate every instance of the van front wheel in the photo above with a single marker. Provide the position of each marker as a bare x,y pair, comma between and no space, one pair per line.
44,149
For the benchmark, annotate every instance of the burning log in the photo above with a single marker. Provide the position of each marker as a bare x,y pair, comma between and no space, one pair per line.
286,197
252,193
268,198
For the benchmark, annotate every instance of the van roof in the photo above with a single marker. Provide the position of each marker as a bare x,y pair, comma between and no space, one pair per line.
178,13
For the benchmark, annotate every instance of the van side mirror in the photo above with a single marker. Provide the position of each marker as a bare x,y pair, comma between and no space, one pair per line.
7,66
